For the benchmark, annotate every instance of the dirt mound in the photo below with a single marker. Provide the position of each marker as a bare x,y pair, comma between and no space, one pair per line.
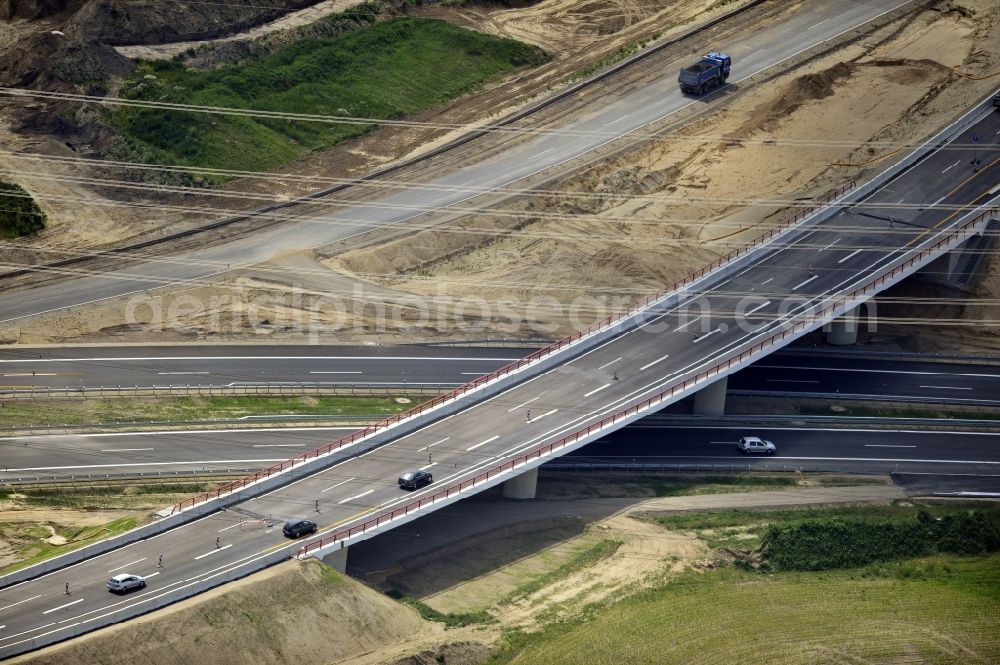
125,22
806,88
30,9
50,61
300,612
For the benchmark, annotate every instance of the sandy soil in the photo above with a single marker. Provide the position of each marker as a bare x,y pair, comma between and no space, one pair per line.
615,230
647,234
108,222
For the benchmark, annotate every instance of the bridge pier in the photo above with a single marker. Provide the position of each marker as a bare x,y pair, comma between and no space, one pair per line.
962,266
844,329
711,400
523,486
337,560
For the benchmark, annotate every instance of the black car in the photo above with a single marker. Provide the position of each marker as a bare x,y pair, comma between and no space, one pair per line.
411,480
298,528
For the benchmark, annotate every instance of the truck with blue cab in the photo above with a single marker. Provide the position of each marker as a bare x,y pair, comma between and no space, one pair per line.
707,74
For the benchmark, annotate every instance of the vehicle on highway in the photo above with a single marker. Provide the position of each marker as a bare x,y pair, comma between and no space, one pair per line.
124,582
753,444
996,101
298,528
411,480
708,73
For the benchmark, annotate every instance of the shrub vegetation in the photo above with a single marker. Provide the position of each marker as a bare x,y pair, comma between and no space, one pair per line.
19,214
845,543
387,70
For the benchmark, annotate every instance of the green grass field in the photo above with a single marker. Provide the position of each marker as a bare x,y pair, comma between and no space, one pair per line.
935,610
387,70
27,539
90,411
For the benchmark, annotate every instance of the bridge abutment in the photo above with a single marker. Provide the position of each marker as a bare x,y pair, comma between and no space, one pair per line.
711,400
337,560
522,487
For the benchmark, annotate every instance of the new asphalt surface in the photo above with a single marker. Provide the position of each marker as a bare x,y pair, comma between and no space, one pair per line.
227,366
722,316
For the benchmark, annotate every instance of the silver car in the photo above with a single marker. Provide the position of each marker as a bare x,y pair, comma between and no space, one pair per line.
753,444
125,582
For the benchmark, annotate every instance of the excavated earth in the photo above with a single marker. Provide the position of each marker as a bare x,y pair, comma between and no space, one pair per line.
611,230
594,238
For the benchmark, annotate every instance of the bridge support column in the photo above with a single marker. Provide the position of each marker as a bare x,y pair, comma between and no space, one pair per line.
522,487
844,329
711,400
337,560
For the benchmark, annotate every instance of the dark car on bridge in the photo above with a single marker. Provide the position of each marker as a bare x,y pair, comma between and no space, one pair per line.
298,528
411,480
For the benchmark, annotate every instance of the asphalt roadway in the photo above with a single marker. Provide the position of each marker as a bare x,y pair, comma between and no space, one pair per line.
732,313
669,345
604,120
647,441
227,366
226,451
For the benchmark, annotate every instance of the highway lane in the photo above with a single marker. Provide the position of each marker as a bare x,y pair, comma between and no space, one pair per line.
663,349
602,119
98,456
211,365
856,450
203,365
883,377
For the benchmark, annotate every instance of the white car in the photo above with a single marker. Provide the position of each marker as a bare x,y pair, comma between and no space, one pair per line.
753,444
125,582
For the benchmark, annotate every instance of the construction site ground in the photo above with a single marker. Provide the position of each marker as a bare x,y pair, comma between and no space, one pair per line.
609,227
468,557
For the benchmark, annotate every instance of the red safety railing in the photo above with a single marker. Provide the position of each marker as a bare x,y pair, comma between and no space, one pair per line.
514,366
682,386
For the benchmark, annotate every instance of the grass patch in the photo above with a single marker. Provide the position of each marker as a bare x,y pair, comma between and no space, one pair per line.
739,517
150,409
27,539
109,496
936,610
589,484
583,559
386,70
19,214
450,619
